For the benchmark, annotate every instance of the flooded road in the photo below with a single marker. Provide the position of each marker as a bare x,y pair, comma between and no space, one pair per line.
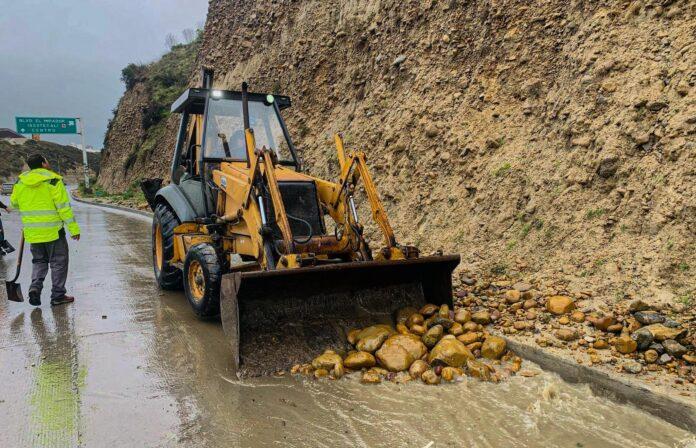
129,365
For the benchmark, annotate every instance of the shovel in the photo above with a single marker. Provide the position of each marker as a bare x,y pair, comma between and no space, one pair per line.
14,289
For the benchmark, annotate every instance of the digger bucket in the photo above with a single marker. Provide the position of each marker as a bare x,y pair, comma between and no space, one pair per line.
275,319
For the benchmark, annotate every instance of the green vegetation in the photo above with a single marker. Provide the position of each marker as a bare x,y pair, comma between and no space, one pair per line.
685,299
499,269
63,159
594,213
502,170
133,192
683,266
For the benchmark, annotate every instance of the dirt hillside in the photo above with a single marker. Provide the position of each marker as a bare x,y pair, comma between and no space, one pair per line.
65,160
549,140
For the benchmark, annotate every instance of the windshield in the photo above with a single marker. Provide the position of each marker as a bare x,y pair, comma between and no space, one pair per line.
225,118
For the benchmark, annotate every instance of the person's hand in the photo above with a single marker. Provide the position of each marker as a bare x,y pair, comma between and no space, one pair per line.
75,237
8,209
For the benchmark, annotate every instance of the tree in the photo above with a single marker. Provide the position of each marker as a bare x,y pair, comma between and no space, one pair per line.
170,40
189,35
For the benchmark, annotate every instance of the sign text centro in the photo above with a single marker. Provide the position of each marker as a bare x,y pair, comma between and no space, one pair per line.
46,125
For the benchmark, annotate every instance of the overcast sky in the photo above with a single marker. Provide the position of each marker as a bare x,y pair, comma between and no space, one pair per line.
64,58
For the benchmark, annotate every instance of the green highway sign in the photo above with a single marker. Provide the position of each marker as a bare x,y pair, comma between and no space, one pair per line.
46,125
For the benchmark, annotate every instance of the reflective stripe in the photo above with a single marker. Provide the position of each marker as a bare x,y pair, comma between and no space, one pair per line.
69,221
44,174
39,213
43,224
63,205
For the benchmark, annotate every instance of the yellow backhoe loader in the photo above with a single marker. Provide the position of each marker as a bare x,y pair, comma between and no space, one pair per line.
278,254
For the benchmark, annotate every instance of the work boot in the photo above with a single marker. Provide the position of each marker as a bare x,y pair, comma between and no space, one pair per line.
62,300
34,297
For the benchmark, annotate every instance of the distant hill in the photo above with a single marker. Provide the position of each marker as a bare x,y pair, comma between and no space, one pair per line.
65,160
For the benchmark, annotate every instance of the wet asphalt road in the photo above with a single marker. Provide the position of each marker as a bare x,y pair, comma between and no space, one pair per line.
129,365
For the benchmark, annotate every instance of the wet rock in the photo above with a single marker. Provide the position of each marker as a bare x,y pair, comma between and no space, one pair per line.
564,320
638,305
481,317
632,367
451,373
519,325
470,337
456,329
615,328
471,326
359,360
649,317
402,329
474,347
603,322
449,351
531,314
567,334
522,286
353,336
410,342
370,377
577,316
468,281
445,322
337,372
662,333
418,330
433,335
493,347
430,377
643,338
691,359
462,316
670,323
403,314
650,356
625,344
674,348
321,373
415,319
418,368
560,305
371,338
512,296
394,357
657,347
529,304
664,358
444,311
429,309
327,360
600,345
478,370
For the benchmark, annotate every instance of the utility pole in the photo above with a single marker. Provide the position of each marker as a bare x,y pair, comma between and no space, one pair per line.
84,153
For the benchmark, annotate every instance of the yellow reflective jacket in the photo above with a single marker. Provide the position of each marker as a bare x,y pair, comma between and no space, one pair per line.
44,205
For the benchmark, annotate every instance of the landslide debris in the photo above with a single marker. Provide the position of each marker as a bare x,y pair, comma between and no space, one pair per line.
401,355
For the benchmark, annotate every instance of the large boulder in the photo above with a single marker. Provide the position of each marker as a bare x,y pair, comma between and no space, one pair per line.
410,342
433,335
394,357
649,317
663,333
493,347
371,338
451,352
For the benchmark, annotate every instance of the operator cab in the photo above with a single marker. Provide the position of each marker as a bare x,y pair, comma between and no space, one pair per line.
212,131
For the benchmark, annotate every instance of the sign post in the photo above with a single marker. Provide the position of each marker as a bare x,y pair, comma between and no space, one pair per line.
84,153
55,125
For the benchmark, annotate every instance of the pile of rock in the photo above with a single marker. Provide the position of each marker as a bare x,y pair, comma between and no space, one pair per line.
431,344
633,335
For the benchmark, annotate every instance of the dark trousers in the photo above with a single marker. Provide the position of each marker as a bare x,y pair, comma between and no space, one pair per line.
55,255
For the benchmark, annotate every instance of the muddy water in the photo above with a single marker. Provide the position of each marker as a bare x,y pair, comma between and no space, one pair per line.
128,365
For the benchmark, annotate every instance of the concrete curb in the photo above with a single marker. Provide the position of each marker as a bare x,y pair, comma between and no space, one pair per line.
113,207
676,412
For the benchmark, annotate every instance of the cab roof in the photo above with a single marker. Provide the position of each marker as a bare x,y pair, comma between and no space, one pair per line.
193,100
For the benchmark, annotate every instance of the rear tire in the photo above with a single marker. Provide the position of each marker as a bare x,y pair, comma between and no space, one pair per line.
202,275
163,224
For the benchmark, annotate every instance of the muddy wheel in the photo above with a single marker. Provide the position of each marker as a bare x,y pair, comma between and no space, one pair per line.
163,224
202,276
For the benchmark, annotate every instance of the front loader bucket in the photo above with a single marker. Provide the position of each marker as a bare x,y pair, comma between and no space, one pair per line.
275,319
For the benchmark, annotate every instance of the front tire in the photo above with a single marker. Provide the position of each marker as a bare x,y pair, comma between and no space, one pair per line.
163,224
202,274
